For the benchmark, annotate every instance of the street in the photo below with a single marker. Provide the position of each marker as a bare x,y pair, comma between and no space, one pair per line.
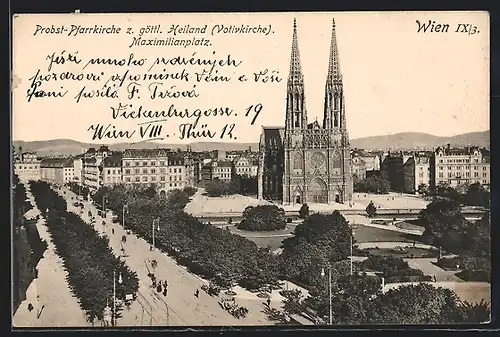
180,307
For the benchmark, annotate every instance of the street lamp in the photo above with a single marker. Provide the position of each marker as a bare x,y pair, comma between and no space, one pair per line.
329,289
125,208
114,294
104,203
157,220
352,244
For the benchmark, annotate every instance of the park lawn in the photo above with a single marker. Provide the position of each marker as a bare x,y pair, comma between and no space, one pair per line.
273,242
371,234
417,252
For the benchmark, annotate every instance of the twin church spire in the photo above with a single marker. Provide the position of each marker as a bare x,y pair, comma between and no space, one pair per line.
334,114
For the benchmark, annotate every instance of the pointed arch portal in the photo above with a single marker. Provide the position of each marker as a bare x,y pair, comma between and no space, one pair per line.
318,191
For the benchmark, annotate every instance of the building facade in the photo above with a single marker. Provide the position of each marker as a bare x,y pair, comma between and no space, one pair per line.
145,166
460,166
243,166
222,170
111,170
308,162
27,166
422,172
392,169
165,169
358,167
58,171
78,170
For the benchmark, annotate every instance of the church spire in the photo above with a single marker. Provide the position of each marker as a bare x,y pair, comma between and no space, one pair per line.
295,75
334,93
296,113
334,74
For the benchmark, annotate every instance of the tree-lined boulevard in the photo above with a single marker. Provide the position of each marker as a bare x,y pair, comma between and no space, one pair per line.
216,277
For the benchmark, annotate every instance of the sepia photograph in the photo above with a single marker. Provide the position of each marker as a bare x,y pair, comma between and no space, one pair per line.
250,169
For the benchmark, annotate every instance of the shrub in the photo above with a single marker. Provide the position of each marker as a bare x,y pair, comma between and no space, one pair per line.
304,211
464,262
475,275
263,218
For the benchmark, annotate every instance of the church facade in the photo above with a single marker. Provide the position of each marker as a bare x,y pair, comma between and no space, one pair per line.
308,162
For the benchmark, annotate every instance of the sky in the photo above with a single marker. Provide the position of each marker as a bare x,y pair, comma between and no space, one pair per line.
396,79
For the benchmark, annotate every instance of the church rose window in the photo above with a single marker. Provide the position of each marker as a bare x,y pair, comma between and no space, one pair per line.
317,160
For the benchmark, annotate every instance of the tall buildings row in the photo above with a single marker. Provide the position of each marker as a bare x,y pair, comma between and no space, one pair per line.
411,172
163,167
406,171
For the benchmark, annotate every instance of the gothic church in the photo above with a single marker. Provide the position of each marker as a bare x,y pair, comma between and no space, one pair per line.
308,162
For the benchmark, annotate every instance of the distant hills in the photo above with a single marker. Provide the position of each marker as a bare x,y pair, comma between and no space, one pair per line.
399,141
417,140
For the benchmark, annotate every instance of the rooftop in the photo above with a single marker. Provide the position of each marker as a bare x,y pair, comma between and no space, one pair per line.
112,161
57,162
145,153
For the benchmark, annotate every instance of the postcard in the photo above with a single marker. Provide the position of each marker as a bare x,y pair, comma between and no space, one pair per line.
250,169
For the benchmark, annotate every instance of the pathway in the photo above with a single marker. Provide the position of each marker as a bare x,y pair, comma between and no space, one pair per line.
54,303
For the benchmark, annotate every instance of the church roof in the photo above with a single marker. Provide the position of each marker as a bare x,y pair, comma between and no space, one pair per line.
314,125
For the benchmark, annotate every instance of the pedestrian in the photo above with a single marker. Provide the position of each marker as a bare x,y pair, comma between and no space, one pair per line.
197,293
165,291
269,302
158,288
112,231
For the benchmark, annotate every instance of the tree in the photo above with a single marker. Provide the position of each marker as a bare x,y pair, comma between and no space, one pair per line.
444,225
476,195
373,184
474,313
423,189
85,254
263,218
371,210
319,241
415,304
477,238
217,187
304,211
292,304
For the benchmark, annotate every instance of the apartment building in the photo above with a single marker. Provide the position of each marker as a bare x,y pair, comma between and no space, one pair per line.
27,166
222,170
111,170
57,170
92,169
144,166
392,169
78,169
243,166
416,173
358,167
168,170
459,166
